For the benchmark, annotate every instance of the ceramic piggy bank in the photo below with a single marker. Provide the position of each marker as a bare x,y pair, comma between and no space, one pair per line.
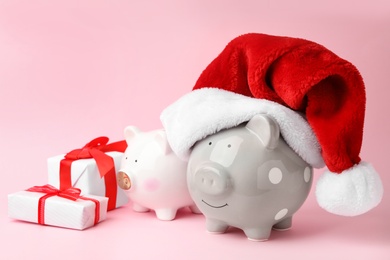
249,178
154,177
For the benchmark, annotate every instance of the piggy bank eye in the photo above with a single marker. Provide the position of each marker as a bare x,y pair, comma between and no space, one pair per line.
126,158
229,145
210,143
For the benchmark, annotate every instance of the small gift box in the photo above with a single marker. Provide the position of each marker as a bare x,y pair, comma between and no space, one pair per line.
92,169
47,205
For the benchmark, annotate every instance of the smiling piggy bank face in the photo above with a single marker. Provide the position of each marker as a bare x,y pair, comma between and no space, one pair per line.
248,177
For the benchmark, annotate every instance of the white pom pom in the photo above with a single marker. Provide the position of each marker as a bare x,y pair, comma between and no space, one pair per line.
350,193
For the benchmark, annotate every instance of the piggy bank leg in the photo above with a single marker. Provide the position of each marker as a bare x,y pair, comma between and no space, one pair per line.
194,209
166,214
216,226
257,234
283,225
139,208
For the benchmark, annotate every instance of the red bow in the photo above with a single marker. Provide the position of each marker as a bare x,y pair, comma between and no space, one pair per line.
95,149
70,194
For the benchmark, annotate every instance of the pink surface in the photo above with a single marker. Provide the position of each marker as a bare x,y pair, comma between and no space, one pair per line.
74,70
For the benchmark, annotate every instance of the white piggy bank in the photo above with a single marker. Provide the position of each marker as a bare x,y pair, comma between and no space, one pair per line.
153,175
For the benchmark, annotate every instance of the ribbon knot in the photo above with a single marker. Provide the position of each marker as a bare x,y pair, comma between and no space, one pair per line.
70,193
95,149
87,151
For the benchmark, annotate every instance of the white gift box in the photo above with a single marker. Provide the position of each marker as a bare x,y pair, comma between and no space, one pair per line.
85,176
60,212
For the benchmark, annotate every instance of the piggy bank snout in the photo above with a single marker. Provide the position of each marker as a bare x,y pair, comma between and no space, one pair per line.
212,180
123,180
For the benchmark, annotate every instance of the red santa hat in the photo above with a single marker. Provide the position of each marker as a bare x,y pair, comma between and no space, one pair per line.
317,98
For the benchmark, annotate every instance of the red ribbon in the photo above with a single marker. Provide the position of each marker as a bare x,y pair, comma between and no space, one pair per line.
70,194
95,149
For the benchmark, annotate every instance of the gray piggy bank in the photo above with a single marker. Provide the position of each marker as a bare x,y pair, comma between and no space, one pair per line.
248,177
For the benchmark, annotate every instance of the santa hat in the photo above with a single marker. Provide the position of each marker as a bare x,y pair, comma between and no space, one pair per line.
317,98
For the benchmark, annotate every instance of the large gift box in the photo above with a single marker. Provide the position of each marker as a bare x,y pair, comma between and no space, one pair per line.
92,169
47,205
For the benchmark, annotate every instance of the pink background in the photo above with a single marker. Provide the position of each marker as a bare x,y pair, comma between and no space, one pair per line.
74,70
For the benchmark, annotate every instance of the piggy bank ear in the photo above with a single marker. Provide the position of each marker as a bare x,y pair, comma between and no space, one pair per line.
130,132
266,129
161,138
